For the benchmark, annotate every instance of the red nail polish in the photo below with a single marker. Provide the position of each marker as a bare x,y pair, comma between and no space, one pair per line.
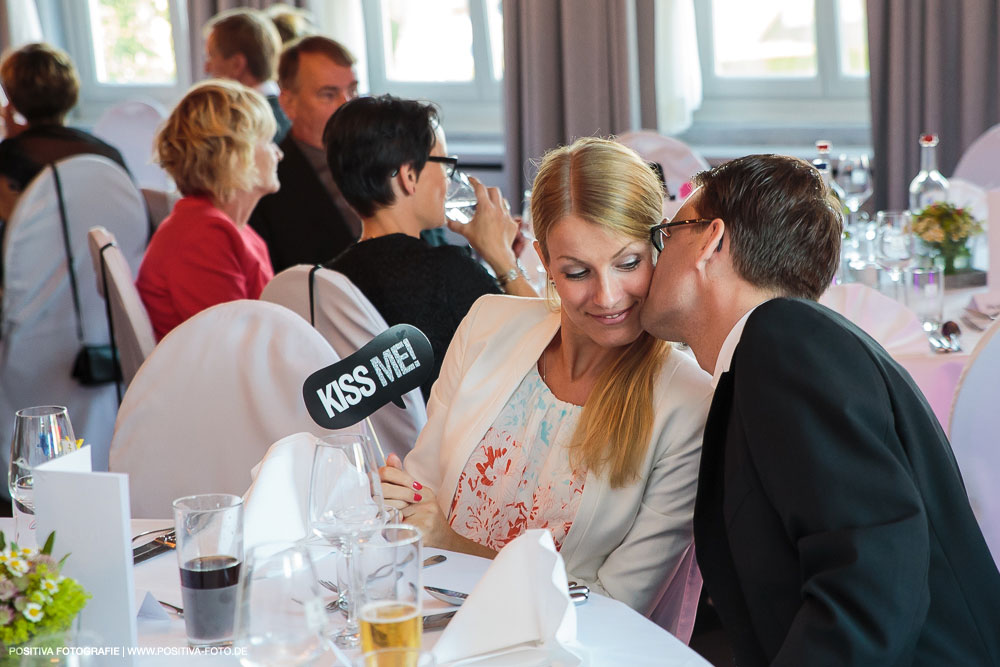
418,486
417,497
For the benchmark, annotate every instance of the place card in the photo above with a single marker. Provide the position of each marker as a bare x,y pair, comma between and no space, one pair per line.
89,512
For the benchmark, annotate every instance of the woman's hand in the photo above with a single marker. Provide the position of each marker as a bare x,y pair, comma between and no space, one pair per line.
398,489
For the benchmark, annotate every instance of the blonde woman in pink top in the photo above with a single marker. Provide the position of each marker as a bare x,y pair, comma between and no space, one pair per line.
217,147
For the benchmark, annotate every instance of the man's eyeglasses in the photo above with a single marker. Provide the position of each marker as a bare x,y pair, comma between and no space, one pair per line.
450,160
662,231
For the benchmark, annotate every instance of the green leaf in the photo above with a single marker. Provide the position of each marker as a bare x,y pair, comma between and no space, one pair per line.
3,541
49,543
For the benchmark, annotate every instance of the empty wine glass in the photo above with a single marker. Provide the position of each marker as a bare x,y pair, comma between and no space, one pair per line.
346,508
280,617
895,245
40,434
854,176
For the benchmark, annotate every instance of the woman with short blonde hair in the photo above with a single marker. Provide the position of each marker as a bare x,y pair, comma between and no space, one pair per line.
217,147
562,413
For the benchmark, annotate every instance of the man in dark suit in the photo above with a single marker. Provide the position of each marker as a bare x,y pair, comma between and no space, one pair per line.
831,523
308,221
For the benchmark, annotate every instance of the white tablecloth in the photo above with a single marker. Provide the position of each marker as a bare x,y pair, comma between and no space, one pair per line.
611,633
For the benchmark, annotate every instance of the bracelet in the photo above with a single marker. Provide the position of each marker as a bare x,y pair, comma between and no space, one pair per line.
511,275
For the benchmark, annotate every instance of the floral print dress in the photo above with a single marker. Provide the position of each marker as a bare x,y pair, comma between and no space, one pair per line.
519,476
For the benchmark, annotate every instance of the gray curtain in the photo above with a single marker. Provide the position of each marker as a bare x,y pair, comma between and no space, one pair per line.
200,11
565,76
935,67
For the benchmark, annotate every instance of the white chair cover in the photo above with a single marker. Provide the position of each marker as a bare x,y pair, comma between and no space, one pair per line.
892,324
210,400
130,127
679,161
979,164
132,329
38,341
348,320
975,433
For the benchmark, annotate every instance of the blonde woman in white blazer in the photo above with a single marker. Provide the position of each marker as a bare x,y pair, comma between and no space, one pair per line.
600,424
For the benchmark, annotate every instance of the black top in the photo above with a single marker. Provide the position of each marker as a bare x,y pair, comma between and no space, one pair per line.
411,282
22,157
284,125
831,523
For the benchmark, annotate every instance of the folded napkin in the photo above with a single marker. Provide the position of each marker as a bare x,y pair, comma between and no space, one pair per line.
986,302
892,324
520,604
276,506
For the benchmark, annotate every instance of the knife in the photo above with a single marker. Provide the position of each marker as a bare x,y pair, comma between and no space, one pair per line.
155,548
438,621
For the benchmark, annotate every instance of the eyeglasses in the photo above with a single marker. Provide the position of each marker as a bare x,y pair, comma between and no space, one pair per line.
661,231
450,160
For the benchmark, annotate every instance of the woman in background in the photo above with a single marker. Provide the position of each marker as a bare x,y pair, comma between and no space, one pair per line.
564,414
217,147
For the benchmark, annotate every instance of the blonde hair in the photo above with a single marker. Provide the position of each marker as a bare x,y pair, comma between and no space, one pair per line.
208,143
609,185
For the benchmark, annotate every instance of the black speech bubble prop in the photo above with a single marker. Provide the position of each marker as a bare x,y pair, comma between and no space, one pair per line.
391,364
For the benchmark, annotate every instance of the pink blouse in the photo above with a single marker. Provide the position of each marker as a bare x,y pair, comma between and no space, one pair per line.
520,476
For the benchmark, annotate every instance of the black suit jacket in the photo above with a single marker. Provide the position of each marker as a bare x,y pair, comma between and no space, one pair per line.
300,223
831,523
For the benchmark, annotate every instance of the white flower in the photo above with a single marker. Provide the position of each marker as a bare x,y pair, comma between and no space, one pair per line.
50,586
33,612
17,566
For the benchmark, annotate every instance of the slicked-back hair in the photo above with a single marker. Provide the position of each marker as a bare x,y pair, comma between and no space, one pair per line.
41,82
288,65
251,33
784,228
370,138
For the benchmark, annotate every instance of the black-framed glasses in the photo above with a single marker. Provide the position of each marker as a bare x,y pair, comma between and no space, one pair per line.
449,160
661,231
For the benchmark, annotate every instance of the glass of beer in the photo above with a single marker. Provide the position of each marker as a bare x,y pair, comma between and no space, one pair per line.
210,554
390,565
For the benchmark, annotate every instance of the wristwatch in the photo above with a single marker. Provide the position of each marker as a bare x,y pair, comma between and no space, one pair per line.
511,275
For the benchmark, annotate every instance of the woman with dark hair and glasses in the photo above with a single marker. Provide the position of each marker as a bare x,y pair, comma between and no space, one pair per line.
389,158
562,413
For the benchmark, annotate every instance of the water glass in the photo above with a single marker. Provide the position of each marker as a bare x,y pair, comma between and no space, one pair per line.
390,564
210,555
460,199
40,434
395,657
281,617
924,290
895,246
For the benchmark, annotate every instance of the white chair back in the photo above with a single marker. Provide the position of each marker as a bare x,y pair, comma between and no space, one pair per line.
215,393
975,434
893,325
679,161
133,332
130,127
348,320
38,333
979,164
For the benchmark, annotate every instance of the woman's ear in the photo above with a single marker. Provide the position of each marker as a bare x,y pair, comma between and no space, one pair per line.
407,179
541,255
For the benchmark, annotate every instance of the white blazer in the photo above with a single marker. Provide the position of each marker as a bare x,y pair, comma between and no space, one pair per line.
633,543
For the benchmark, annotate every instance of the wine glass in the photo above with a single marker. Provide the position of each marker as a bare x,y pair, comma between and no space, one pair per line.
280,616
40,434
895,244
854,176
346,508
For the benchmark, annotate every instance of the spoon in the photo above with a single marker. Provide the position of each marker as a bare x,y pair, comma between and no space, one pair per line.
950,331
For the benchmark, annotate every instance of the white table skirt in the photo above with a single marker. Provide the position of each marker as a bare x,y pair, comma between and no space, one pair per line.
611,633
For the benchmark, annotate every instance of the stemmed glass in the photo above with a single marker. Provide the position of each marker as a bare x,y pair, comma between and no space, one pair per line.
895,245
280,616
40,434
854,176
346,508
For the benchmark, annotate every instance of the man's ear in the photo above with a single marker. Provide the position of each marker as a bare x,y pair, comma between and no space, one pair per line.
712,241
237,64
286,99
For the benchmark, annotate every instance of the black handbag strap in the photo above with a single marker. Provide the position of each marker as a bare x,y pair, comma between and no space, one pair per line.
107,313
312,292
69,253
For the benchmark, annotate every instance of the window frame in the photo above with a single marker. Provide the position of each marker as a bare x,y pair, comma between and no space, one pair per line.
471,111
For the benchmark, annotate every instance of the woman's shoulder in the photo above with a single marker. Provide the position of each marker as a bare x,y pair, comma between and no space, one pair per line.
492,310
683,382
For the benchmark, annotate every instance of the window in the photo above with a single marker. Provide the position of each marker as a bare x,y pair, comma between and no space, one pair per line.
446,51
783,72
123,49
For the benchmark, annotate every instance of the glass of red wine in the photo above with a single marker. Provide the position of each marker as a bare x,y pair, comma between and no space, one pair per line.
210,554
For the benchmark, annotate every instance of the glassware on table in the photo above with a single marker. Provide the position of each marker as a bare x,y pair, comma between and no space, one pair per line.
854,177
346,509
460,198
924,290
209,531
40,434
395,657
895,246
280,616
390,564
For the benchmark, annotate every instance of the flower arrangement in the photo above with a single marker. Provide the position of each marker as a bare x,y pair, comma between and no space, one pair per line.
946,229
34,598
